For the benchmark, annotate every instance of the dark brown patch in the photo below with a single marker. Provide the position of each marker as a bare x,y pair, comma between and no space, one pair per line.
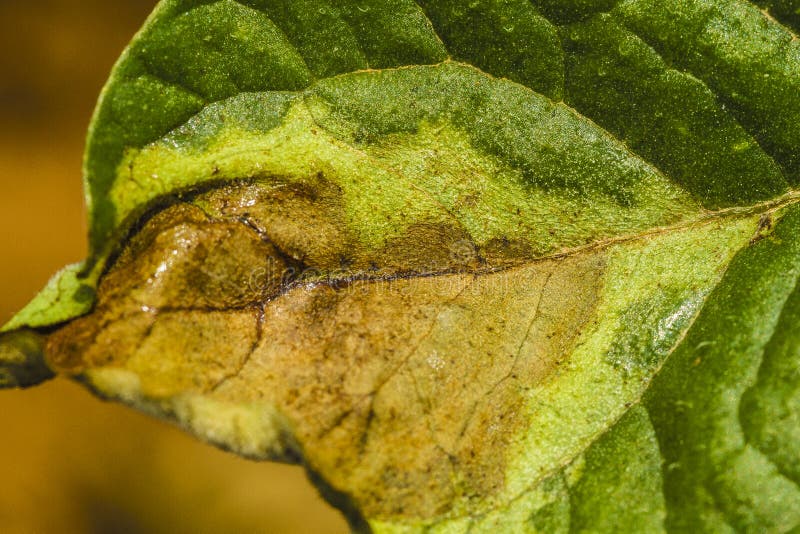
502,250
304,220
430,248
404,391
763,229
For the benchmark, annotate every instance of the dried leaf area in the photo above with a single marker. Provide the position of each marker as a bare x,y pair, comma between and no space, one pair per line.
240,306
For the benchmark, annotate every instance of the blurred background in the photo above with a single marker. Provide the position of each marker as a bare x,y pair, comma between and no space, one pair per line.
68,462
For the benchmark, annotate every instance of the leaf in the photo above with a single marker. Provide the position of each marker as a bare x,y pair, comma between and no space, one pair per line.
479,266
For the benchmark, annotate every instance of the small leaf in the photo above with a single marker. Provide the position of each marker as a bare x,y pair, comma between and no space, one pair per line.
479,266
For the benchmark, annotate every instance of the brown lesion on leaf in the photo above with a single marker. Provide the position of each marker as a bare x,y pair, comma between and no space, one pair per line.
185,259
764,228
503,249
181,260
304,219
405,384
412,253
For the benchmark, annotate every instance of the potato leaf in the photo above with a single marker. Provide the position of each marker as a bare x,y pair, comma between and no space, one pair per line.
479,266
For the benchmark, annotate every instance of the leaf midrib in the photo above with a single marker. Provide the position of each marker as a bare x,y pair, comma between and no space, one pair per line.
705,218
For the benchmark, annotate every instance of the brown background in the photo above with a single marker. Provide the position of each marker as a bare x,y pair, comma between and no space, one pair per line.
68,462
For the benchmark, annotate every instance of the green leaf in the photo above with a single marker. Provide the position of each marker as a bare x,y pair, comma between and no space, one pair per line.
479,266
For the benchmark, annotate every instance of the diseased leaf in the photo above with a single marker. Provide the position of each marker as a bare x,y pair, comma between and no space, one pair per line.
479,266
